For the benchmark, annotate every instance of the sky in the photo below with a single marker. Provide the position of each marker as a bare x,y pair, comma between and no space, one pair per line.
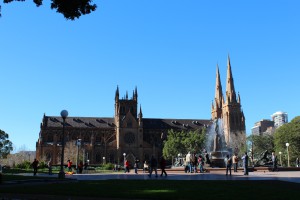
168,49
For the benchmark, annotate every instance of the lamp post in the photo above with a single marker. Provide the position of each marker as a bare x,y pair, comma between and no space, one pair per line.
78,143
103,160
287,149
124,154
61,174
280,157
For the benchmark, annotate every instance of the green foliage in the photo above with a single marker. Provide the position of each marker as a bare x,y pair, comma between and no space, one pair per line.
183,142
5,145
261,143
24,165
288,133
71,9
43,165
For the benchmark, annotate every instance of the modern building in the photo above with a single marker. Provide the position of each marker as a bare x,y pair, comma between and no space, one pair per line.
229,109
128,135
264,126
279,118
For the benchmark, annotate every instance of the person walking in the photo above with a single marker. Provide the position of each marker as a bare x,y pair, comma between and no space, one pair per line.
201,163
274,162
297,162
228,161
126,166
188,162
245,163
69,165
50,167
145,167
136,165
153,166
235,161
163,166
80,167
35,165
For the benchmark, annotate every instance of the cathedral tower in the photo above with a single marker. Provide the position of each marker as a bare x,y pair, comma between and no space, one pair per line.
230,110
129,126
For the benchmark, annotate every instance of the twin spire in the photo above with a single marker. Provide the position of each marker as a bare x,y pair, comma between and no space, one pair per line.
230,91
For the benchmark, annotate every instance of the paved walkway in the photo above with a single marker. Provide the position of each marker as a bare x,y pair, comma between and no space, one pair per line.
291,176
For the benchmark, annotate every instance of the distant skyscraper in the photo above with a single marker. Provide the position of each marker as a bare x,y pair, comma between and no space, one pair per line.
279,118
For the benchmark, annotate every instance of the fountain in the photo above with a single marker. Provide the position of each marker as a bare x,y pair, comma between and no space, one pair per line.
216,144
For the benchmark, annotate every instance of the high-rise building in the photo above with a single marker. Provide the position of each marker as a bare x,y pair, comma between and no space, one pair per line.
230,111
279,118
262,127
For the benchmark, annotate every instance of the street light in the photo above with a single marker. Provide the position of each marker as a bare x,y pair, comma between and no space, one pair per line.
103,160
78,143
280,157
61,174
287,149
124,154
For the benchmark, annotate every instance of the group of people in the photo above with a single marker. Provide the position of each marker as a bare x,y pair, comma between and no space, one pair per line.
192,162
80,167
151,166
233,160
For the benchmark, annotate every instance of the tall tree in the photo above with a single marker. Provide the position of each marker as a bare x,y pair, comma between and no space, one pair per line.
71,9
261,143
288,133
183,142
5,145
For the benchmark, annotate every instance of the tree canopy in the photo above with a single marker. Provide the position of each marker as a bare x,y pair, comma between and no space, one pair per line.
5,145
71,9
183,142
288,133
261,143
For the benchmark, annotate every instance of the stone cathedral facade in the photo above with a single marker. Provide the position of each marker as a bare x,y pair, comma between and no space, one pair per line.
128,134
229,109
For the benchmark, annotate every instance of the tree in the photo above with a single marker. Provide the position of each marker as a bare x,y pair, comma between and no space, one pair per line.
261,143
288,133
183,142
5,145
71,9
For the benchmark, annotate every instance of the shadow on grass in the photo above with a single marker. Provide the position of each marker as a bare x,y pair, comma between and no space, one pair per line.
164,189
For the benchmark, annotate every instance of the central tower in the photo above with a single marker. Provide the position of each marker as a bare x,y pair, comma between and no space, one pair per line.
230,111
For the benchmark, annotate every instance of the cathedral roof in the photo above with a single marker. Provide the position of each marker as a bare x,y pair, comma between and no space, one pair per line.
105,122
80,122
150,123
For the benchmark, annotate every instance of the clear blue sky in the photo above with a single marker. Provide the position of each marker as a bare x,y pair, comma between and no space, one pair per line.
169,49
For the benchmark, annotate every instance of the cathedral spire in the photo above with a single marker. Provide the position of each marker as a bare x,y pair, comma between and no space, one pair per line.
117,94
218,91
230,91
135,97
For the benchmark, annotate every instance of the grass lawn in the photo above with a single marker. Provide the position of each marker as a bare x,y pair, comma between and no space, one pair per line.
164,189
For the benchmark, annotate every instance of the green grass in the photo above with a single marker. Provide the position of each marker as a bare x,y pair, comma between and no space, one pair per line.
164,189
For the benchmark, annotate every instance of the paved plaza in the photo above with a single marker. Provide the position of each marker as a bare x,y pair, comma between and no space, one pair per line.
290,176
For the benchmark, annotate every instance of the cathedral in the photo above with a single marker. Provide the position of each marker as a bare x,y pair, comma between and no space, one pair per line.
128,135
229,110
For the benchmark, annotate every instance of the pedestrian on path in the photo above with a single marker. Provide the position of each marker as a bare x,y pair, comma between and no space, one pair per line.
136,165
228,161
153,166
126,166
235,161
69,165
49,167
163,166
245,163
274,162
35,165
